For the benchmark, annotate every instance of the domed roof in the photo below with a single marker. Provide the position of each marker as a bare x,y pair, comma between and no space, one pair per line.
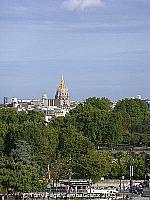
62,86
44,96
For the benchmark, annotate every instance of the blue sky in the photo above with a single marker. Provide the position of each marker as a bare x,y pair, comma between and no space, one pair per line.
101,46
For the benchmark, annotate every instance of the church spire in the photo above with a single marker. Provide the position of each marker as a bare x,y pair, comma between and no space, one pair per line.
62,82
62,77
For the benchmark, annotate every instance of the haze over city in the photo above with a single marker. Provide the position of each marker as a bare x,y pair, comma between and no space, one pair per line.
100,46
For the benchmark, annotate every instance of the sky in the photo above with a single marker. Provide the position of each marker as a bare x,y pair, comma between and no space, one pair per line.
102,47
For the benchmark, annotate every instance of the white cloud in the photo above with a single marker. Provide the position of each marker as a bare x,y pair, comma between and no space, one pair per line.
81,4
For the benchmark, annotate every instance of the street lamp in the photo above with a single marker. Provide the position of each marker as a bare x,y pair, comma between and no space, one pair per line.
123,185
131,175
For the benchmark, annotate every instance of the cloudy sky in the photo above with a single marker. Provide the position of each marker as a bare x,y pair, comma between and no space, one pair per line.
101,46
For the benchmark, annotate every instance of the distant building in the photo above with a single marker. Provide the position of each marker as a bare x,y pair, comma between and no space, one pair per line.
5,101
62,98
138,96
45,100
148,104
59,106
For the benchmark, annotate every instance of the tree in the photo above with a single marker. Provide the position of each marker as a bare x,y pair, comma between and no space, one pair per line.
93,165
120,166
139,167
3,132
73,144
10,116
101,104
22,152
19,177
136,109
42,139
114,129
59,169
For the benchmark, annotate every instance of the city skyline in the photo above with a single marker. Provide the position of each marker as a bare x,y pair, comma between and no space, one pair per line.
101,47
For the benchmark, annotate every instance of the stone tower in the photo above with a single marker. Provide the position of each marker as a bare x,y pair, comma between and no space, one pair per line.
62,98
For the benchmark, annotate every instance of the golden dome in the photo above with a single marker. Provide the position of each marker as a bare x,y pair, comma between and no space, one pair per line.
62,85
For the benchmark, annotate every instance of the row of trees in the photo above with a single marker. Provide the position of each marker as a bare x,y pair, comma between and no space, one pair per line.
69,144
128,122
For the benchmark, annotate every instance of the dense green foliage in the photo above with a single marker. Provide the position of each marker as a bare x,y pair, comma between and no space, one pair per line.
69,145
139,117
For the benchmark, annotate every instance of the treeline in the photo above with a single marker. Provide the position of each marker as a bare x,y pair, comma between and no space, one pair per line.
68,146
128,122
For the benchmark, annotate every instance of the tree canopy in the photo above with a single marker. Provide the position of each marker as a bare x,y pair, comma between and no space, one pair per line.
71,145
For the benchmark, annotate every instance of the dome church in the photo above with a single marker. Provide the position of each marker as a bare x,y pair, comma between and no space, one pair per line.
62,98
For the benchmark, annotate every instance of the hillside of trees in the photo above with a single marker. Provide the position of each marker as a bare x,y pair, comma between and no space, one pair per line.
70,145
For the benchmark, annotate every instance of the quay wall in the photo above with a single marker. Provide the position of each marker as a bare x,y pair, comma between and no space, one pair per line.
115,183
